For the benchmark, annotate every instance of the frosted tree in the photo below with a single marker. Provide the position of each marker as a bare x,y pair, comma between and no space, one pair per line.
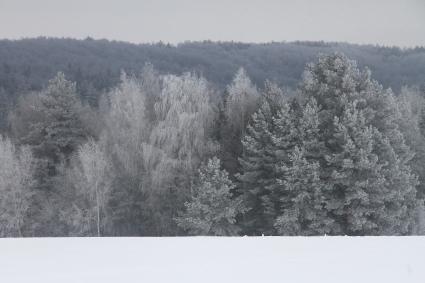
50,123
158,132
336,82
274,96
411,105
302,199
92,178
128,128
358,175
180,139
52,127
299,188
241,102
185,117
127,125
16,181
150,84
284,138
257,172
212,210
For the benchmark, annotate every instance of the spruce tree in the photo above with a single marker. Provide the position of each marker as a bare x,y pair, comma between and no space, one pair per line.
212,210
284,137
257,167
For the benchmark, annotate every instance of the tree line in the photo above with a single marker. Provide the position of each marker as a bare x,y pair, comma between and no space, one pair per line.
167,155
95,65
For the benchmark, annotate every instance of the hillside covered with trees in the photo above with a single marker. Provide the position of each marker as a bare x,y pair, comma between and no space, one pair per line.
95,65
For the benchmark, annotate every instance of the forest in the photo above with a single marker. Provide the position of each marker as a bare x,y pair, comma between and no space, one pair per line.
95,65
145,140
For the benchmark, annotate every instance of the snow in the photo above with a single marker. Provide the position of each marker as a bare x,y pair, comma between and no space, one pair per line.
209,259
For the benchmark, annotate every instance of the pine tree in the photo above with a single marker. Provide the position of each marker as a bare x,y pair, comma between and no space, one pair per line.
212,210
336,83
50,123
257,167
284,138
302,203
59,130
300,189
358,180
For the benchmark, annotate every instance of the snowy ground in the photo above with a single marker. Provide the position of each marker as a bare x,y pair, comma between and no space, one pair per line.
218,260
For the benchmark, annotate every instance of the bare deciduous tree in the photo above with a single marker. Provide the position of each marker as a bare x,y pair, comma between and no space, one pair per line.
16,179
92,179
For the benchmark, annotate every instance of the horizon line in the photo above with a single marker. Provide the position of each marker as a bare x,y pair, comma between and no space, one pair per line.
176,44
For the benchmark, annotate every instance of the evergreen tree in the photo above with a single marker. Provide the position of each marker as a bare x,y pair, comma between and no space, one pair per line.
269,138
58,131
284,137
299,187
51,124
257,167
212,210
358,181
338,86
302,203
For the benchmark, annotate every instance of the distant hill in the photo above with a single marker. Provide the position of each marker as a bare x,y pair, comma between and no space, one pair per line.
95,65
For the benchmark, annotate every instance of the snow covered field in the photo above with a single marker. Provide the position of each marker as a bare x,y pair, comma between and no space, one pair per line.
218,260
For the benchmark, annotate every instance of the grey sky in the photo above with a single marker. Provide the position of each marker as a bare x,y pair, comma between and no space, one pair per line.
385,22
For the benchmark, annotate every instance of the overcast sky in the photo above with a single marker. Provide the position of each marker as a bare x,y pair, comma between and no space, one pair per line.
385,22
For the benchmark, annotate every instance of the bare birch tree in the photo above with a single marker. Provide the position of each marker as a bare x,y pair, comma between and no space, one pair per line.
16,180
92,180
242,101
181,138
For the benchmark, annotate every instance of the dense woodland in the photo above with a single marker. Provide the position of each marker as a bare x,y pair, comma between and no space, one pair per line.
254,140
96,65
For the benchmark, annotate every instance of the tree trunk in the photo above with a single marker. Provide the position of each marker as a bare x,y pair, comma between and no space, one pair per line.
98,211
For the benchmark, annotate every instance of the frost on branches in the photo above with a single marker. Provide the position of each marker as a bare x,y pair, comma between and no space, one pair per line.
212,210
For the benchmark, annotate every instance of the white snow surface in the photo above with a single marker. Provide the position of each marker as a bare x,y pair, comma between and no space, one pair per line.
213,259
